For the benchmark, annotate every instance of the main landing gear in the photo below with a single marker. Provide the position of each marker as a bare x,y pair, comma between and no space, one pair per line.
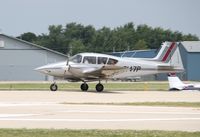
99,87
84,86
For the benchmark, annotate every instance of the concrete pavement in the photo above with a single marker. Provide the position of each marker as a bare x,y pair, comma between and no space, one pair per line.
44,109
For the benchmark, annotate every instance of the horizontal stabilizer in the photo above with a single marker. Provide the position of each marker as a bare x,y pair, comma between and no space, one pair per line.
175,83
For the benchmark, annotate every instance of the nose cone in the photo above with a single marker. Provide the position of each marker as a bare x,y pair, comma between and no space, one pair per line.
43,69
54,69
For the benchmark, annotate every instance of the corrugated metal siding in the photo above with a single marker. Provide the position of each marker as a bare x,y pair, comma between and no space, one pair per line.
18,60
193,69
190,61
184,54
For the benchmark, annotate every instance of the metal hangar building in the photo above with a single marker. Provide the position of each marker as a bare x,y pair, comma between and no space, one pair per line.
190,53
19,58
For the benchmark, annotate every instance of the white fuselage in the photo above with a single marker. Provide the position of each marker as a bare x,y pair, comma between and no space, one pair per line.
77,68
176,84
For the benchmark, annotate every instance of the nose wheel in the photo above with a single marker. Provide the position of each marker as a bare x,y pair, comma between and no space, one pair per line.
53,87
84,87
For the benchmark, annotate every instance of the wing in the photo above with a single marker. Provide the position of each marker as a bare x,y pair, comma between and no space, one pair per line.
96,72
105,71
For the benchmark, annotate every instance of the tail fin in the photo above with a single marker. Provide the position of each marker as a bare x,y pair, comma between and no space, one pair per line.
166,51
164,48
175,83
171,56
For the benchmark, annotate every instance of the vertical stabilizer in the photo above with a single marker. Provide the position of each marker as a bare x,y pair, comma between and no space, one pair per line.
165,51
172,56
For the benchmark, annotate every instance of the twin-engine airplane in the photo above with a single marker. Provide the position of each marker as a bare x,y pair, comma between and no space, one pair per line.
176,84
88,67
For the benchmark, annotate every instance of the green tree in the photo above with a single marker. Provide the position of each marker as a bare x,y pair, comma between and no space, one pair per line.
141,44
190,37
55,40
100,41
74,38
76,46
29,36
126,37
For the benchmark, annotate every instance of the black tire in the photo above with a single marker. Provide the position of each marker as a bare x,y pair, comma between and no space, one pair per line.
84,87
99,87
53,87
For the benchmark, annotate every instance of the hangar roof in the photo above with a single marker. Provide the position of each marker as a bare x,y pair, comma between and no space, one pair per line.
191,46
35,45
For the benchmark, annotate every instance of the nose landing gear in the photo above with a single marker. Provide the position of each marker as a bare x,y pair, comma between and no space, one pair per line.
53,87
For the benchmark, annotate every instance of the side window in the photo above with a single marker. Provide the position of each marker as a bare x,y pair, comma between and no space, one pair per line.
112,61
102,60
89,60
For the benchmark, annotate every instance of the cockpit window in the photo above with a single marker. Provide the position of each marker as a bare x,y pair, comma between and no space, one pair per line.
89,60
76,59
102,60
112,61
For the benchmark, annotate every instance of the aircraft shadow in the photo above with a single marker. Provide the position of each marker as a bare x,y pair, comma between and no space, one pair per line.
94,91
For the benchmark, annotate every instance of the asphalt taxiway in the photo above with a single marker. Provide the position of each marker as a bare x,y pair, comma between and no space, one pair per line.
44,109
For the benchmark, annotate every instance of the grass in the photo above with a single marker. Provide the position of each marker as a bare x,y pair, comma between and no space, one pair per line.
92,133
166,104
134,86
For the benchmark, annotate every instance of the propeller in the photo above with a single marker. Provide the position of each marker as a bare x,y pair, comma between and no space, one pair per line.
67,63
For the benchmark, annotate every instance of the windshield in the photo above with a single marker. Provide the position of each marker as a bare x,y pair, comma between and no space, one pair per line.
76,59
112,61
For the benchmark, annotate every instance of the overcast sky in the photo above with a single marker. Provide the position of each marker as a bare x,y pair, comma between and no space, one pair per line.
19,16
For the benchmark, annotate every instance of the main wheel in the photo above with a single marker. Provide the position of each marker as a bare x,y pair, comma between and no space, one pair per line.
99,87
53,87
84,87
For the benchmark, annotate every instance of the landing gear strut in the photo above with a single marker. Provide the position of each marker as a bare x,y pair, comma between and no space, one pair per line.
99,87
84,86
53,87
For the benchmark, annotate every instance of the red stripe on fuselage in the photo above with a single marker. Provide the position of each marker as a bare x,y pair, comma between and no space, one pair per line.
168,52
